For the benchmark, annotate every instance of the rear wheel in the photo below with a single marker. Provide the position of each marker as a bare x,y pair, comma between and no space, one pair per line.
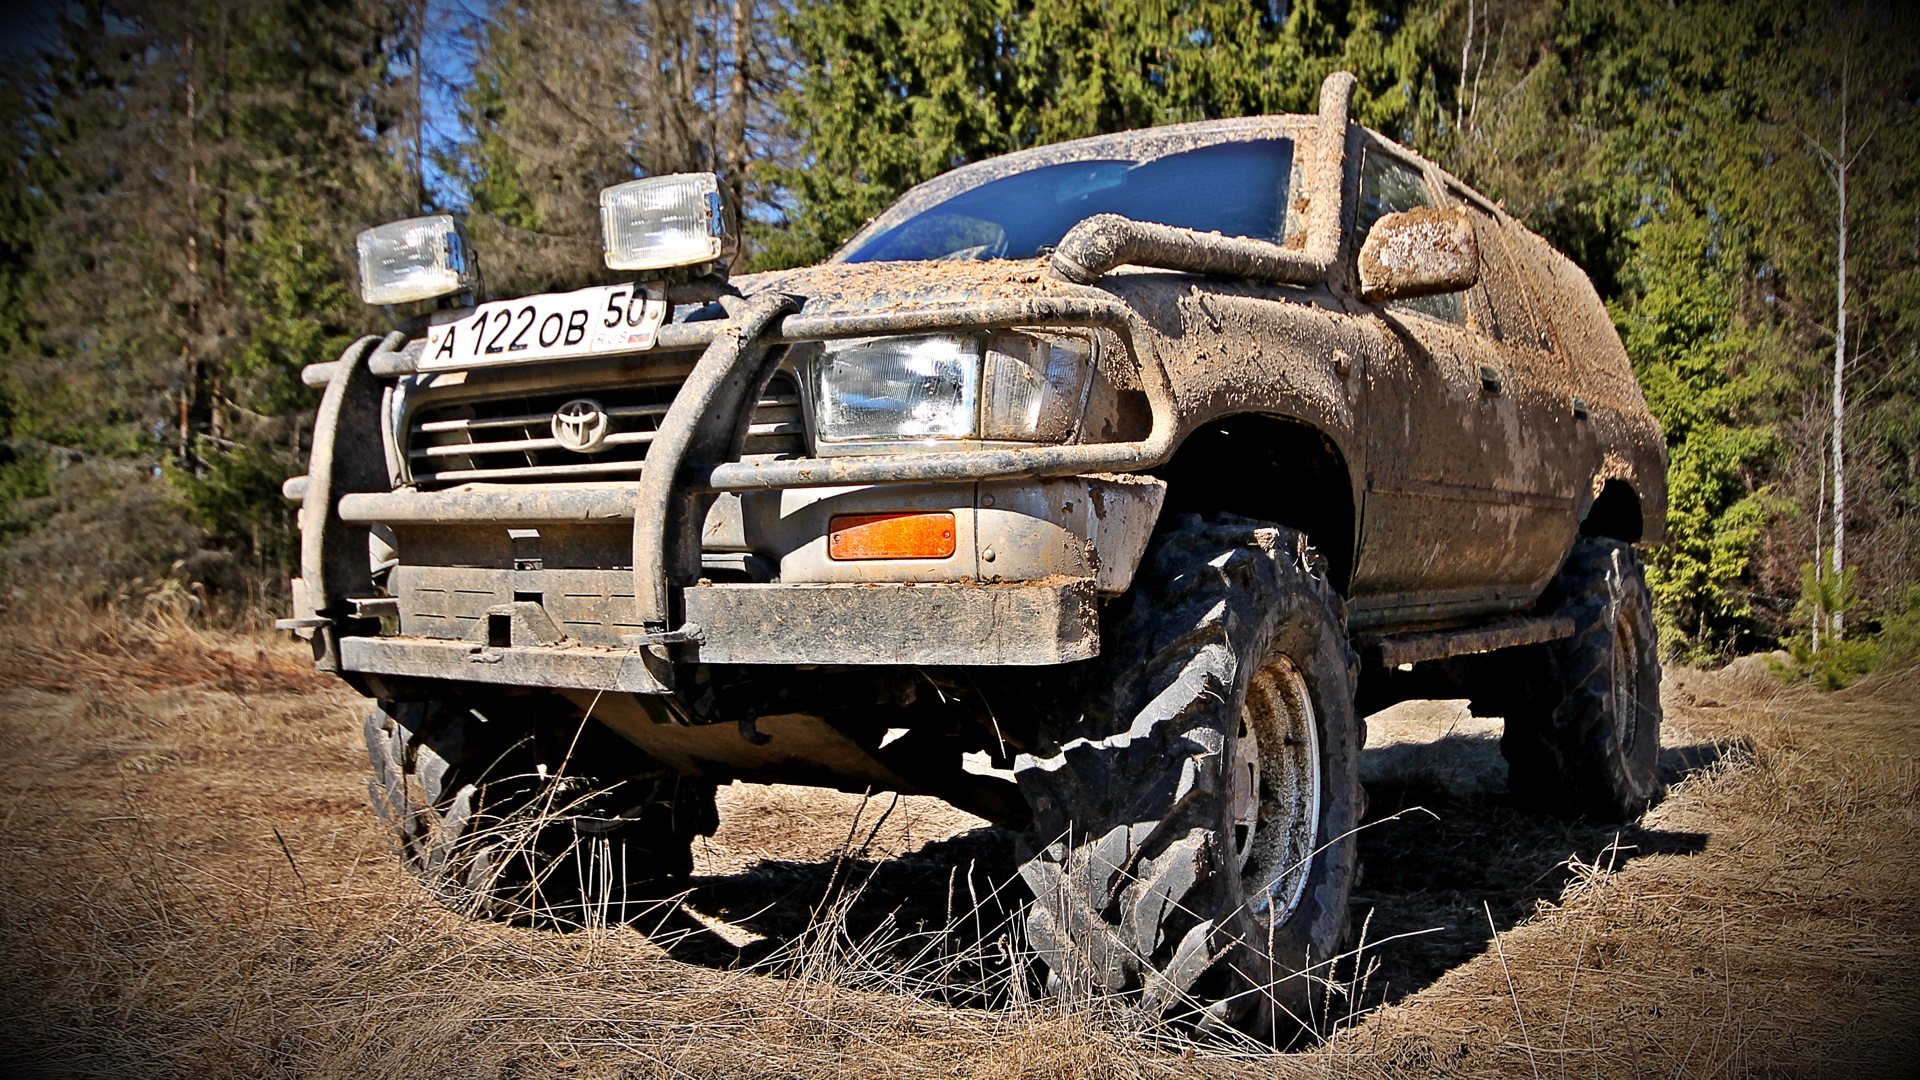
1583,739
1191,852
556,820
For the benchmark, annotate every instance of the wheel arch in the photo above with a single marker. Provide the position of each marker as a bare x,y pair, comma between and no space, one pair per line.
1272,467
1615,514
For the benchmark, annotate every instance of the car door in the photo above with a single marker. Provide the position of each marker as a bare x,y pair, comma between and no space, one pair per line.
1456,517
1553,454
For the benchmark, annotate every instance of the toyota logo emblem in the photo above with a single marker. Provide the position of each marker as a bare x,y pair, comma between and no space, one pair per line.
580,425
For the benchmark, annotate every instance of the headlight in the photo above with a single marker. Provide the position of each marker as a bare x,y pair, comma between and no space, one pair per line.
898,388
666,222
1001,387
421,258
1036,386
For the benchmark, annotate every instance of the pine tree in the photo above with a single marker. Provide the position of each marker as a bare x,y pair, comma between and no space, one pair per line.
203,168
1696,358
23,463
892,92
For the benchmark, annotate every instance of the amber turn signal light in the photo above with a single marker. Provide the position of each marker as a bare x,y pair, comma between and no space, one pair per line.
891,536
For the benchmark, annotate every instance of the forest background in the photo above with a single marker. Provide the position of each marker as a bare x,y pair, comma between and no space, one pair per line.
183,180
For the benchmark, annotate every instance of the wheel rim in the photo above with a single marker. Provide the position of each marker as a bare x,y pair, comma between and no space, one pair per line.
1275,799
1626,683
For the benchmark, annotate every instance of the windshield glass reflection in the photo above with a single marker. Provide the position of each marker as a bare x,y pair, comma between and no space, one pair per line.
1236,189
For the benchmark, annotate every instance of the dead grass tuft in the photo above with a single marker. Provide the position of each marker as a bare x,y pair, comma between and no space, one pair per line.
194,887
69,647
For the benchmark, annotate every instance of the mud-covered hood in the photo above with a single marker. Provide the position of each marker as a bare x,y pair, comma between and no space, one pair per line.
881,286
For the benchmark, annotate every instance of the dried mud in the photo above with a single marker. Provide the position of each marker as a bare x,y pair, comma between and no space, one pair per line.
194,887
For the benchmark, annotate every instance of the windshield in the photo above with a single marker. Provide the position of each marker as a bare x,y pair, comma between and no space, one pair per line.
1234,188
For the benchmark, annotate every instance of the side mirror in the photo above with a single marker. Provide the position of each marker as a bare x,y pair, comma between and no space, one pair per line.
1419,252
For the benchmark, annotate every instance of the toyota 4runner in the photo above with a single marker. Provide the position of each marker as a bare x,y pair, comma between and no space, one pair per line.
1136,468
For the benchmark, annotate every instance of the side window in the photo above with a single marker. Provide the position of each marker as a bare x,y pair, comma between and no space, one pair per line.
1508,314
1389,185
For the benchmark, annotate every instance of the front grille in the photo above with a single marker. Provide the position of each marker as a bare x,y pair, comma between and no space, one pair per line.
512,438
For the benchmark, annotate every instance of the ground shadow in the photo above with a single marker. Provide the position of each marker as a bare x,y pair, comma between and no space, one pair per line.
938,914
1447,860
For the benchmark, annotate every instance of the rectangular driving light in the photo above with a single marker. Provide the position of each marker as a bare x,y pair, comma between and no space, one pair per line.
891,536
666,222
421,258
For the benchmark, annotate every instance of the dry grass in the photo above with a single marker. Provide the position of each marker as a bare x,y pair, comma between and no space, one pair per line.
1761,921
69,648
193,886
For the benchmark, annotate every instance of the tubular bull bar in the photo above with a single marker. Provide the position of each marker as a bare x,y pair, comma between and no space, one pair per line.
694,456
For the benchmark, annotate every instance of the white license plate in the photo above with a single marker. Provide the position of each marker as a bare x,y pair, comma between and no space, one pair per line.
604,319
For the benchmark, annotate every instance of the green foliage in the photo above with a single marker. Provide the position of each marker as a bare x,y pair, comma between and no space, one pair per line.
23,477
1694,355
895,92
891,94
1838,661
496,189
235,500
550,113
1899,638
1822,656
180,182
185,181
22,467
1826,57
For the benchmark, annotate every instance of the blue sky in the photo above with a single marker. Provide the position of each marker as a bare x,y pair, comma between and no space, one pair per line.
451,26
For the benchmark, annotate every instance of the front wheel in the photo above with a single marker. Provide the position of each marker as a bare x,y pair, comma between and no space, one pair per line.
530,819
1192,848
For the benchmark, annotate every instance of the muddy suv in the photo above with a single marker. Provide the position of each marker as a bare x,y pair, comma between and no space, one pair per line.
1098,489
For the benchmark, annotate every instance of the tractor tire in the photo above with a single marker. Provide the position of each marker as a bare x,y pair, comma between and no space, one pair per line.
492,834
1582,734
1192,849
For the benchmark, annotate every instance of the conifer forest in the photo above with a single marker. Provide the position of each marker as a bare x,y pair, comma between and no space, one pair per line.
184,179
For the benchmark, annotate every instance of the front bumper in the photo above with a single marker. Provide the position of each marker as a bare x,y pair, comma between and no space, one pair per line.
1026,598
924,625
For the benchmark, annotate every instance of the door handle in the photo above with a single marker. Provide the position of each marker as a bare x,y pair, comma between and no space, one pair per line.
1491,380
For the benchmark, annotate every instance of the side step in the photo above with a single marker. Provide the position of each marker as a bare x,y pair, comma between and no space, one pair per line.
1393,650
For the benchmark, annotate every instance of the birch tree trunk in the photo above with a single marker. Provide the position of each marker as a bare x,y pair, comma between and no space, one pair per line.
735,157
1841,165
190,374
1466,56
1819,539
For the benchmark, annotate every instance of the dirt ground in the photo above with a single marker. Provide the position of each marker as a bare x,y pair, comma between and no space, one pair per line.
191,884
